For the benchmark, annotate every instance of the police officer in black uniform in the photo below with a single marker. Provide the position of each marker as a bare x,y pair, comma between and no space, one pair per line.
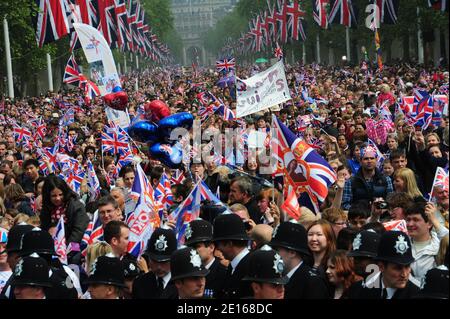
266,274
290,241
131,271
106,279
188,274
41,242
392,280
364,250
199,235
12,248
153,284
435,284
231,239
31,278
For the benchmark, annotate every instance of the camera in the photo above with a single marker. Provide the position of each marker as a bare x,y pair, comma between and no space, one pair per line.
381,205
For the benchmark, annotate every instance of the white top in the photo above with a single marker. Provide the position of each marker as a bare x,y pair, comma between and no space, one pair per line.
4,276
210,263
236,260
165,279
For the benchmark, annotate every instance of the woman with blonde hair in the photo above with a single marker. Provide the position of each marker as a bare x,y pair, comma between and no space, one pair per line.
432,139
94,251
405,181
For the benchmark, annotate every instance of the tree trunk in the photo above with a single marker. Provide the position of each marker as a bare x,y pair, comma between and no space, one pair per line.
406,56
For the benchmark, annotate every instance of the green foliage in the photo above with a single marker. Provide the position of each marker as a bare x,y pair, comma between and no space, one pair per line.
159,16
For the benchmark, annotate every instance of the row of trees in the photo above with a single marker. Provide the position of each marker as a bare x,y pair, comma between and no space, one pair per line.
28,60
231,27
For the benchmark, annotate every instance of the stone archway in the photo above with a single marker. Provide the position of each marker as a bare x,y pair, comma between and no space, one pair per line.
194,52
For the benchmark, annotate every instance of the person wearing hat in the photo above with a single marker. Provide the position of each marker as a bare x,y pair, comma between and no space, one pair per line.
65,284
392,280
290,240
231,239
151,285
106,280
188,273
364,250
31,278
266,274
199,235
12,250
131,271
434,284
368,183
5,269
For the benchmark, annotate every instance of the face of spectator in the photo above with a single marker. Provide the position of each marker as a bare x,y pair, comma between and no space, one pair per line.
441,195
344,174
357,152
392,144
317,242
358,222
418,228
2,150
3,254
399,162
342,141
395,276
432,140
128,179
57,197
119,197
399,184
121,244
252,165
333,278
32,172
5,169
192,287
388,169
397,213
435,151
28,292
108,213
100,291
160,269
236,196
198,170
90,154
263,205
369,162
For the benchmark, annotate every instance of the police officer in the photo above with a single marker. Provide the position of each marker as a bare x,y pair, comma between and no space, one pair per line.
364,250
289,239
435,284
231,239
394,258
30,278
12,249
199,235
131,271
188,273
266,274
106,279
151,285
65,284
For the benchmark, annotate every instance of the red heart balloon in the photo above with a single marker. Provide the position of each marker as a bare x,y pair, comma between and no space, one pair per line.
117,101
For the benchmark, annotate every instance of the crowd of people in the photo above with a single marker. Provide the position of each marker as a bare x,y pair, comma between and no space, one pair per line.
381,233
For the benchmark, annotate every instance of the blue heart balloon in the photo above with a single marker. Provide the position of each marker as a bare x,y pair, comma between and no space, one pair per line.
169,155
179,120
116,89
144,131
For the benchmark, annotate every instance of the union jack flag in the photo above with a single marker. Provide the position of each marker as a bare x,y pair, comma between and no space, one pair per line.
50,154
306,172
209,104
295,14
71,171
60,241
123,29
40,130
440,180
142,189
320,13
93,182
92,234
68,118
88,12
423,108
343,12
278,52
388,10
226,65
51,21
124,160
177,178
280,15
21,133
72,72
113,139
190,208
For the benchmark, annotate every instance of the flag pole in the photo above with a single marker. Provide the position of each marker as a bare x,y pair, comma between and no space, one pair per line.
8,58
49,73
347,42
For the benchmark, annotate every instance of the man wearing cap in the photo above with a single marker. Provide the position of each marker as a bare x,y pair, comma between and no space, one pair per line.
199,235
364,250
266,274
153,284
5,269
188,274
394,258
368,183
106,279
12,250
31,278
131,271
290,240
231,239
